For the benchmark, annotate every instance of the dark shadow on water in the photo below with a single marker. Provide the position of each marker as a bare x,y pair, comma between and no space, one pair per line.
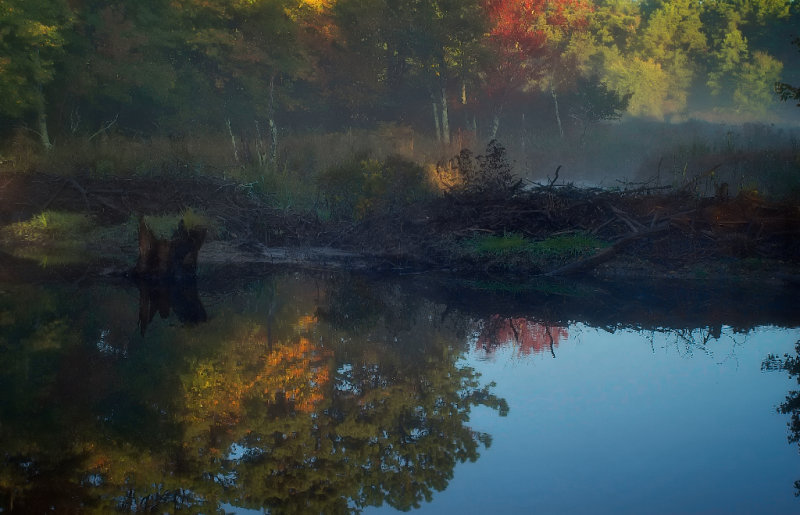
179,297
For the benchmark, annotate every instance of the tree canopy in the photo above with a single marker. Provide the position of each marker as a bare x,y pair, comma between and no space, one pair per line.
441,66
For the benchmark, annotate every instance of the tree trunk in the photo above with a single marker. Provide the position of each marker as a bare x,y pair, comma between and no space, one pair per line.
555,104
495,123
233,140
273,127
436,125
41,119
41,113
445,119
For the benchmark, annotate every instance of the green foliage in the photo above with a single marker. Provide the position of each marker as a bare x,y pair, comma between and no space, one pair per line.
786,91
32,40
367,187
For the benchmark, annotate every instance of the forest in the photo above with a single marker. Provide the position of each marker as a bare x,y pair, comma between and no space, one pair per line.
235,80
443,133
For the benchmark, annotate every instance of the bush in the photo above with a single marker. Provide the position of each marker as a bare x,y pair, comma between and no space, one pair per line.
367,187
490,173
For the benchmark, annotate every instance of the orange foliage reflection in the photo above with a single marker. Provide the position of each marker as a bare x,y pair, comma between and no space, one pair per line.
290,374
525,336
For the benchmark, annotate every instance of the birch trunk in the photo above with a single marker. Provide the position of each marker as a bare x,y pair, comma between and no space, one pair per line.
273,127
436,124
233,140
445,119
41,119
558,116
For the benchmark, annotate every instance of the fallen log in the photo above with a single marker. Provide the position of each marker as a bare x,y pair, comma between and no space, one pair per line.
604,255
168,259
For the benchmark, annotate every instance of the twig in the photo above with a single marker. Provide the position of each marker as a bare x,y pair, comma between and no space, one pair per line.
104,128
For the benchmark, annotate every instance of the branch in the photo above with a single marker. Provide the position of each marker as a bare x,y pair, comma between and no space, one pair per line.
103,128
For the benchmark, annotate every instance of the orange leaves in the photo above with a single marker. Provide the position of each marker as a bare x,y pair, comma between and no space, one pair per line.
249,370
521,31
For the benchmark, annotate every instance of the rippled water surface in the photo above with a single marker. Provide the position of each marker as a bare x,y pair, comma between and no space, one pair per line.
318,392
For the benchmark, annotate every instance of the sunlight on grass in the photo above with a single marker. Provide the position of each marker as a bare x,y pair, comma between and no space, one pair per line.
50,225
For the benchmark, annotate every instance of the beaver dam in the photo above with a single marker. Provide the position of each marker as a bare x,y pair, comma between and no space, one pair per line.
485,222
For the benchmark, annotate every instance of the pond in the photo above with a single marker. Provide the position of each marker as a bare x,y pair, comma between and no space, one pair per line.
329,392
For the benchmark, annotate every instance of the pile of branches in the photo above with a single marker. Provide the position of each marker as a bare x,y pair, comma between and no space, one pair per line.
659,224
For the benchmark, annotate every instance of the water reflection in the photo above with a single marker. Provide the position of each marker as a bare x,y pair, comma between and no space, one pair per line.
527,337
298,393
179,297
274,402
791,405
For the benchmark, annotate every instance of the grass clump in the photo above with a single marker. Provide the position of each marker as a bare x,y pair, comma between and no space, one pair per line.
507,244
49,226
513,250
50,237
567,246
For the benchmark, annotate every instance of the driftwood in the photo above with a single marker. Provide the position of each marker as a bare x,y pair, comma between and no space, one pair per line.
166,259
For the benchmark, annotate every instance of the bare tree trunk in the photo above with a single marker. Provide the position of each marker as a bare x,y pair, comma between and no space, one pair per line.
495,123
260,146
555,104
445,119
41,119
233,139
273,127
41,113
436,121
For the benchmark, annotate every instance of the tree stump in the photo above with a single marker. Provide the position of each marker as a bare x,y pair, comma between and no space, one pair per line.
168,259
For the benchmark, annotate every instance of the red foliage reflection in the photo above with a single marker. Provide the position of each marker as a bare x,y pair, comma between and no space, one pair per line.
526,336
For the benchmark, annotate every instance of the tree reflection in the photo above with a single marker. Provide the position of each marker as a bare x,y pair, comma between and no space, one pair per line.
525,336
267,405
790,406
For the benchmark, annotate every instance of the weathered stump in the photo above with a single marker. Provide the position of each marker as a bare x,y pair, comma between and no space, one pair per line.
167,259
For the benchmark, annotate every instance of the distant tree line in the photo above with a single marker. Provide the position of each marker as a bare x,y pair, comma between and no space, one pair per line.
79,67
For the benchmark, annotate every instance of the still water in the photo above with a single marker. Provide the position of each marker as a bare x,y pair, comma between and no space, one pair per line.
294,392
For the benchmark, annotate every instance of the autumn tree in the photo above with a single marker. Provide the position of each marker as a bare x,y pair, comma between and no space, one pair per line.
32,40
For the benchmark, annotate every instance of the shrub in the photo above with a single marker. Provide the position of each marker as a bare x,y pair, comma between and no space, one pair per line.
489,173
367,187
